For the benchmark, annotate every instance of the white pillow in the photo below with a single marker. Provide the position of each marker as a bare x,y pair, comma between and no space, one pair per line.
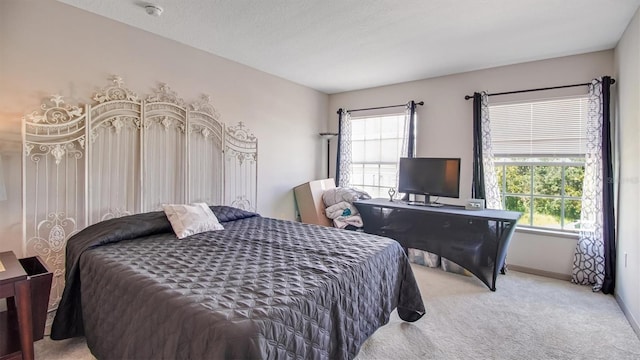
187,220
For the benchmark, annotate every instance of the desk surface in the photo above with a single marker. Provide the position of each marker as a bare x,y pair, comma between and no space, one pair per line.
466,237
13,271
487,214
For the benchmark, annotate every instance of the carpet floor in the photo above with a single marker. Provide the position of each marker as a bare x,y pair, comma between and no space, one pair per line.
528,317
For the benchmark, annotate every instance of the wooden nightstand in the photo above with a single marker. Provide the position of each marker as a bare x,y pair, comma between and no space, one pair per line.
16,329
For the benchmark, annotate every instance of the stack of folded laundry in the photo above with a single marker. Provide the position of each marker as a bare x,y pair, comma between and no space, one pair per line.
340,208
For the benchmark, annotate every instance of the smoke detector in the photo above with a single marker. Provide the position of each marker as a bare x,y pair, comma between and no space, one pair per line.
153,10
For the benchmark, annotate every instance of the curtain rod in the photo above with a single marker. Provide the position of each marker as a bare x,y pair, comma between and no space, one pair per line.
384,107
467,97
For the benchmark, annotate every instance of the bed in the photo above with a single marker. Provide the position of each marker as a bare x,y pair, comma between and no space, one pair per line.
261,288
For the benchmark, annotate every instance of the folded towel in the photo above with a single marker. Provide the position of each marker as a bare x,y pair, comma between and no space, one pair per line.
342,208
342,221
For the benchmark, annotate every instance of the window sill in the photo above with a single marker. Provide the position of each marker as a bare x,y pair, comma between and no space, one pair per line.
546,232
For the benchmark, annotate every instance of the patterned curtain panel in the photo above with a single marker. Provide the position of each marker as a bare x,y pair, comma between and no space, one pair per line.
343,165
589,259
485,182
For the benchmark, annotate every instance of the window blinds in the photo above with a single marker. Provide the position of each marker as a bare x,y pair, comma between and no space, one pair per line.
548,128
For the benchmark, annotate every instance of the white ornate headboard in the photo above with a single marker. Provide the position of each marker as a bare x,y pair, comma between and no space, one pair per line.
123,155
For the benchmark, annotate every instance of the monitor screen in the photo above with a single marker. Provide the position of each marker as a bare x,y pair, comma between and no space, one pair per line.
430,176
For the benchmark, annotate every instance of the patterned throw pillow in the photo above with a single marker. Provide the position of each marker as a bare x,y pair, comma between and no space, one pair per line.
187,220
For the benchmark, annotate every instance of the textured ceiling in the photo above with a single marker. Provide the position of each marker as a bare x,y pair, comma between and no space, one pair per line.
342,45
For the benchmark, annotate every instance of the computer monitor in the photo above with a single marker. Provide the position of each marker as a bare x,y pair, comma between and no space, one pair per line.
430,177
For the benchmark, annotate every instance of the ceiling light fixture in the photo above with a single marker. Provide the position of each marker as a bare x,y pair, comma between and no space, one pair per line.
153,10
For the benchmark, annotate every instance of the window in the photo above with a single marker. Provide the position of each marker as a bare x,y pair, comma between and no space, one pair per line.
539,150
376,147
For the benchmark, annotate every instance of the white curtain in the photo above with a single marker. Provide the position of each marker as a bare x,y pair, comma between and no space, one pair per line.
588,261
492,191
404,146
345,151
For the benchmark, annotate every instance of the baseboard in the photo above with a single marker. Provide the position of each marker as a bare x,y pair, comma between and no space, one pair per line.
549,274
632,321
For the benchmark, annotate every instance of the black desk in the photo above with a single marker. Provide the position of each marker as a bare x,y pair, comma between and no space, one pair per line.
477,240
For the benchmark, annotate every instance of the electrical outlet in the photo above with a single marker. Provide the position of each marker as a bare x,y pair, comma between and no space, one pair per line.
474,204
625,260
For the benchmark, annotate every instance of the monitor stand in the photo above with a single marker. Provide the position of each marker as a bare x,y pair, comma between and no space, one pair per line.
426,202
421,203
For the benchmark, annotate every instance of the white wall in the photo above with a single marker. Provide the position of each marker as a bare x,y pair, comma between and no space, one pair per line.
47,47
627,118
444,126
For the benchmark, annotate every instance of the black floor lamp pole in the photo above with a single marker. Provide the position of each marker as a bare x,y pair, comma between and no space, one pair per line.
328,158
328,136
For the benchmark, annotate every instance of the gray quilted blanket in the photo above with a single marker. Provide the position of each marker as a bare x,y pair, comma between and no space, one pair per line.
260,289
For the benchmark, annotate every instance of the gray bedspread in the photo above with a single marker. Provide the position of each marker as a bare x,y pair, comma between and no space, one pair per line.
259,289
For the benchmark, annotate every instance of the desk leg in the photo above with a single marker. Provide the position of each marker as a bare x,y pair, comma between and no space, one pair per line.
504,231
23,305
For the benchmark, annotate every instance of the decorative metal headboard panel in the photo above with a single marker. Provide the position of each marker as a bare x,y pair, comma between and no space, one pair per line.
121,156
114,154
206,138
164,149
53,176
241,149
